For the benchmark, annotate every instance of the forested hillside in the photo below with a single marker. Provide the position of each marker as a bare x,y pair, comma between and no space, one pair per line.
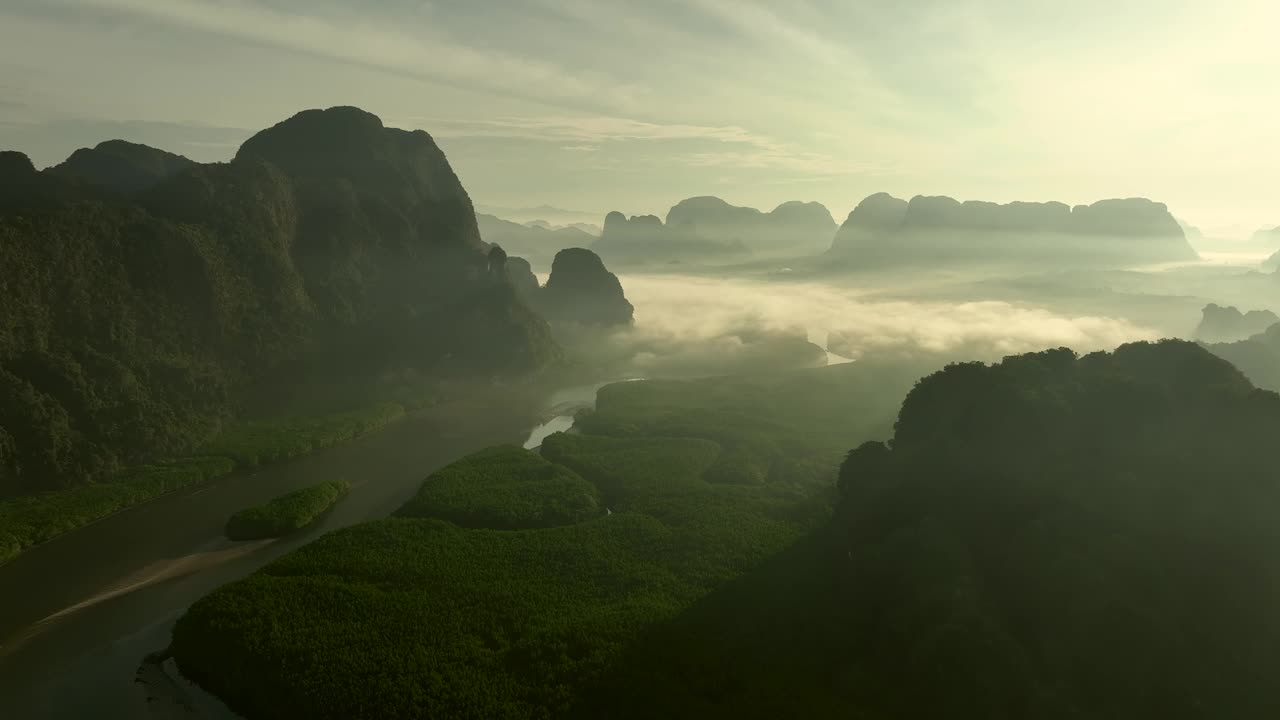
1257,356
1063,537
136,315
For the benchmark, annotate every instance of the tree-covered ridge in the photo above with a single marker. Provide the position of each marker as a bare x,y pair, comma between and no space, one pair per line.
1064,537
132,324
121,167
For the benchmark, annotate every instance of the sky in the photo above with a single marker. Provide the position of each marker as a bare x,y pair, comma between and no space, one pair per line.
595,105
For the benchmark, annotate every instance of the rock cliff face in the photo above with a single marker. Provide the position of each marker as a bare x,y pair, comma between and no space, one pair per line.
120,166
1227,324
886,230
521,276
708,228
581,290
330,246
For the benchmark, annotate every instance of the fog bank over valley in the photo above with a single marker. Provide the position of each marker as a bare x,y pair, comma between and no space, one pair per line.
727,313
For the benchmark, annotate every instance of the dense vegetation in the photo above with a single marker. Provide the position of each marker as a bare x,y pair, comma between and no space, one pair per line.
788,428
144,301
261,442
1053,536
1063,537
505,488
287,513
32,519
415,615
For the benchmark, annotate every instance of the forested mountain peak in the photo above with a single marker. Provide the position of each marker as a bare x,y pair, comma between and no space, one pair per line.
405,170
581,289
121,166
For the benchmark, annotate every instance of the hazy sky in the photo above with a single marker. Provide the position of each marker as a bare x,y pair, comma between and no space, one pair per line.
599,104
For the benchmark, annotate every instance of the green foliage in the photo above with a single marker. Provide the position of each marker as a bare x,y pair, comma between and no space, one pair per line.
631,472
286,513
504,488
406,617
267,441
789,427
33,519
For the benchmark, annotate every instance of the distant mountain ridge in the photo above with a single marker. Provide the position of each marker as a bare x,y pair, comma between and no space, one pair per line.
707,227
546,213
535,243
885,229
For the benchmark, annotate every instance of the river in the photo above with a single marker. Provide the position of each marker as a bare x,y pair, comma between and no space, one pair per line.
78,614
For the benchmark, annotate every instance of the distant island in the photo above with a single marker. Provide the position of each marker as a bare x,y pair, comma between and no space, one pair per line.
707,228
1227,324
885,230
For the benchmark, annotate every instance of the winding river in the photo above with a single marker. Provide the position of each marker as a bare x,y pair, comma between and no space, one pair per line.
78,614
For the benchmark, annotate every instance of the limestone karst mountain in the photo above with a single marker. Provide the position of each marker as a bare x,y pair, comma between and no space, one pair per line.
884,230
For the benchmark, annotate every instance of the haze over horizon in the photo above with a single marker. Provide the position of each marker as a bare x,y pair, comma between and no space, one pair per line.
593,106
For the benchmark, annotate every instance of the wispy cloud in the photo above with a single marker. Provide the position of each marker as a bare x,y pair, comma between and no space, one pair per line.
731,146
352,37
597,129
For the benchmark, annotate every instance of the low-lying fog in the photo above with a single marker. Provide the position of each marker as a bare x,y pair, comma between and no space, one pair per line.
725,320
682,308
